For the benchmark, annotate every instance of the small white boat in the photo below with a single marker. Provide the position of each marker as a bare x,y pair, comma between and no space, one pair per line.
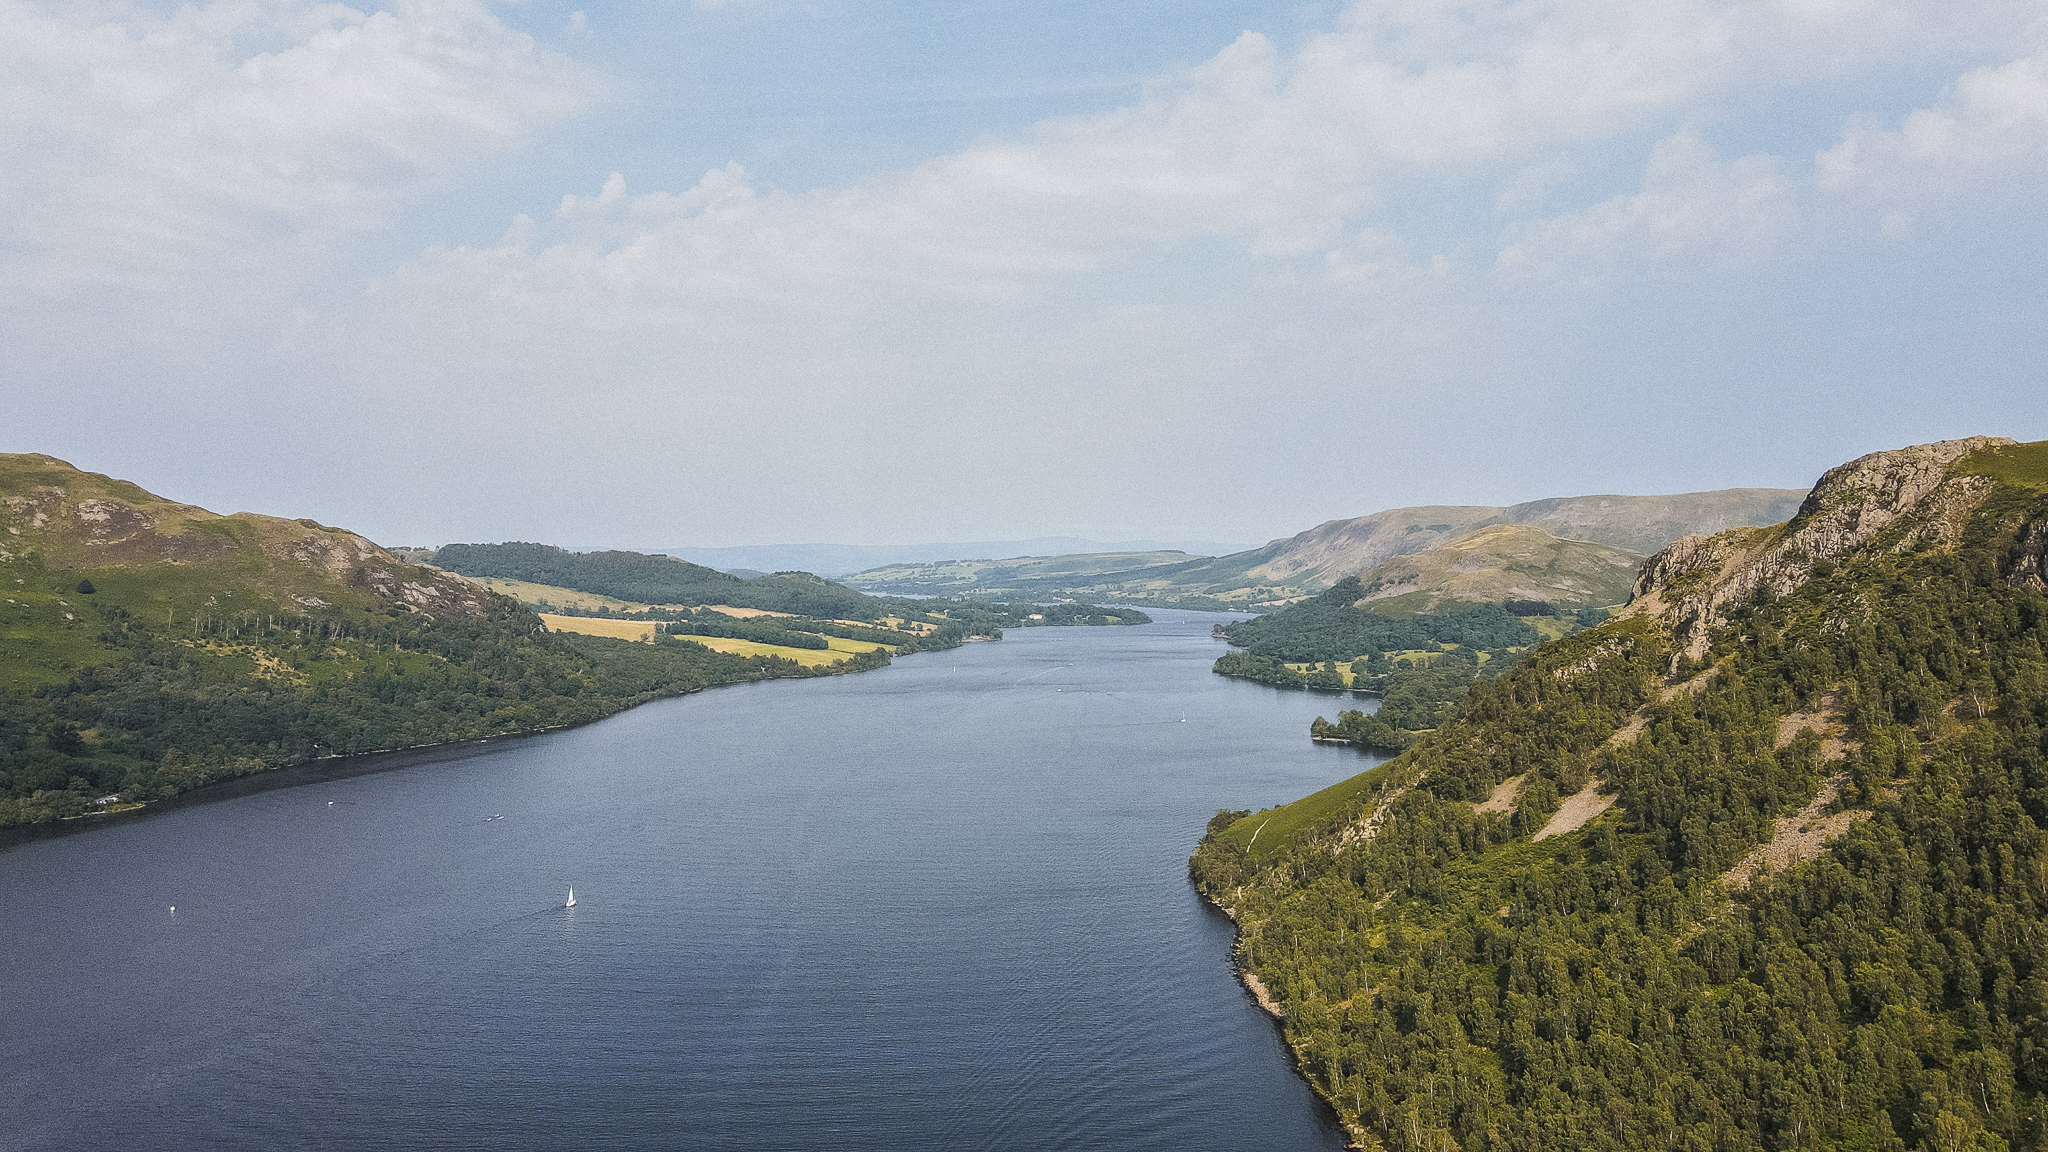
572,897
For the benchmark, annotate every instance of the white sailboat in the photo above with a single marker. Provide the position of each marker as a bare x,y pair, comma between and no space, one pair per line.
572,897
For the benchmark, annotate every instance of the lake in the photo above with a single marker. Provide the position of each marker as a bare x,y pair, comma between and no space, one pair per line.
940,905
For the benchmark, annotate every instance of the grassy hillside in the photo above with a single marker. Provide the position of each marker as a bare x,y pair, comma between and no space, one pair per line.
1761,863
1500,563
148,647
1644,524
1321,556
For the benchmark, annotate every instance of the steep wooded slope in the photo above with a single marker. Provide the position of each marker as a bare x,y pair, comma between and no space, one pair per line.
1761,863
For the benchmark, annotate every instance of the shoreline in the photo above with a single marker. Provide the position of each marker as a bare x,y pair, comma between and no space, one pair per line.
335,766
1358,1138
1368,693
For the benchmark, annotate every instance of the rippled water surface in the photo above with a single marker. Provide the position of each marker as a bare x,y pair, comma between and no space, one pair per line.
940,905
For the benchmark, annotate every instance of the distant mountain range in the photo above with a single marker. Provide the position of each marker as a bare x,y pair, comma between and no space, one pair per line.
1575,550
843,559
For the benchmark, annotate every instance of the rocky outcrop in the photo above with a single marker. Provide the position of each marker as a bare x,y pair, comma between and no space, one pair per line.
1888,501
2028,567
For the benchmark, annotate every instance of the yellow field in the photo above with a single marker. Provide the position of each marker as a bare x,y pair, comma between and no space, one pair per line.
593,626
841,644
808,657
644,630
745,613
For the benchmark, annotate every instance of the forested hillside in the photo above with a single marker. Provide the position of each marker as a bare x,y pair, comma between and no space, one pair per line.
1759,864
658,579
1331,626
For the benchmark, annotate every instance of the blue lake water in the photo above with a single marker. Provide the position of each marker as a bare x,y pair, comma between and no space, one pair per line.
941,905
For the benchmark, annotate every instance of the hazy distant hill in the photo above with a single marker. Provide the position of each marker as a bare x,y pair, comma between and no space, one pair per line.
1019,575
844,559
1503,562
1311,561
1329,552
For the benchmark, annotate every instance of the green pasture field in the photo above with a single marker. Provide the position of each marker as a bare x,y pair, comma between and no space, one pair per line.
1267,834
808,657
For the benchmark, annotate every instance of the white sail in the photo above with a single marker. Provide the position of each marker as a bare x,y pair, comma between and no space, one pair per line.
572,897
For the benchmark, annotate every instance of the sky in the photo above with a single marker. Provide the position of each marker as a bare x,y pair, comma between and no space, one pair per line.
654,272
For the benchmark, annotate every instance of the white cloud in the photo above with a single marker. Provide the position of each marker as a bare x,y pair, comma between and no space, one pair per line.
1264,275
1984,142
1692,206
1277,155
186,152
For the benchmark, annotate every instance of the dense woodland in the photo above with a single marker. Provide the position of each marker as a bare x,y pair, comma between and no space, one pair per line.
1450,983
1327,627
1414,699
1433,656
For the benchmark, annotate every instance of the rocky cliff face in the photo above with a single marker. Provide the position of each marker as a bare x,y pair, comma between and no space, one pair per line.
1891,501
2030,560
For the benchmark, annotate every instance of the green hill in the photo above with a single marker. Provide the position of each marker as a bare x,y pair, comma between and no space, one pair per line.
1761,863
1500,563
148,647
655,579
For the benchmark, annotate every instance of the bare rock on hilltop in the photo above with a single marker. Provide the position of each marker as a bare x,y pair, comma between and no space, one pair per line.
1901,499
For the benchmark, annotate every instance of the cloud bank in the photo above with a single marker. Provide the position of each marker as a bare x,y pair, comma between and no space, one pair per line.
1425,215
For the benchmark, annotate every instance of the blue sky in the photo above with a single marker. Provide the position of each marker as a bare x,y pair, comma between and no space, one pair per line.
755,272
